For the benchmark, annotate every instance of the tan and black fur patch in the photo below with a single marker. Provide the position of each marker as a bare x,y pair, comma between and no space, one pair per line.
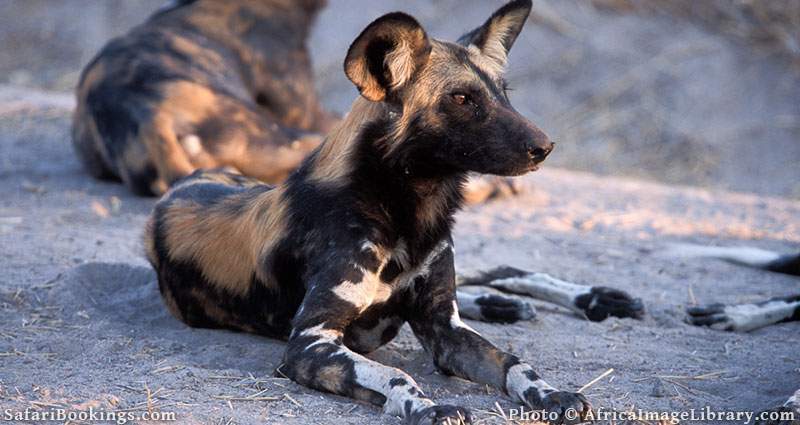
203,84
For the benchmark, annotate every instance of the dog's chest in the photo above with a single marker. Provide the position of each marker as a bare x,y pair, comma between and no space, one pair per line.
394,273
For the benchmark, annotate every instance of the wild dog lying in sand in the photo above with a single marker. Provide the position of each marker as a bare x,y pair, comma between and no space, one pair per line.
358,241
748,317
204,84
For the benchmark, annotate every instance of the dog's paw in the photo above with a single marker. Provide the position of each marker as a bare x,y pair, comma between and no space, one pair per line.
500,309
711,315
743,317
781,415
602,302
441,415
562,407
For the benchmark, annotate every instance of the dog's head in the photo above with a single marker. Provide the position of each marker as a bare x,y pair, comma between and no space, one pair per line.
452,111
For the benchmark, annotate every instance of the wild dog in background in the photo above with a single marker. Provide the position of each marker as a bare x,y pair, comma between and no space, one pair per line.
744,317
203,84
748,317
358,240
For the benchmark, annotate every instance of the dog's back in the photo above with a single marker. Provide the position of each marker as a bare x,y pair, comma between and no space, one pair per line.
201,84
206,239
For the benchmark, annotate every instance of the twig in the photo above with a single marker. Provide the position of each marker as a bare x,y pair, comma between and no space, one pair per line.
232,398
500,410
595,380
288,397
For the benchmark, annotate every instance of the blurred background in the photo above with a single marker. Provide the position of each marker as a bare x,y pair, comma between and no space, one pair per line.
703,93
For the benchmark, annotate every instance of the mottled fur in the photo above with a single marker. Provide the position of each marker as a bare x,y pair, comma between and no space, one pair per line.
358,241
202,84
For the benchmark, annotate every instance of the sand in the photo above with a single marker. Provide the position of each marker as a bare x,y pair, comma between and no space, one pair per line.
82,324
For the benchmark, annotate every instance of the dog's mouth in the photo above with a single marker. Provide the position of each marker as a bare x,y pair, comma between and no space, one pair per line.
532,166
528,168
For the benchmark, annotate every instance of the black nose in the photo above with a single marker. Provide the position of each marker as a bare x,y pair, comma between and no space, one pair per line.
539,151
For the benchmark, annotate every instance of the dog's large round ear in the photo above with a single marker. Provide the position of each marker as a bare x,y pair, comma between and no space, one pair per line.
386,54
495,37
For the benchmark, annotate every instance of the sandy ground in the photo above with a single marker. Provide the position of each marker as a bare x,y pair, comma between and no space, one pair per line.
82,324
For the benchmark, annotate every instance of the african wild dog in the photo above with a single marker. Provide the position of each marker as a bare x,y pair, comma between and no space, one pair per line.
203,83
744,317
748,317
357,241
208,83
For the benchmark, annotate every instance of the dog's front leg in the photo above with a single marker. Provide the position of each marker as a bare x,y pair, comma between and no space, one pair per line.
459,350
317,357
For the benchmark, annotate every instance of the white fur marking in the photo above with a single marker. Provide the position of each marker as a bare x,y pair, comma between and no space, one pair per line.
456,322
424,268
794,400
370,290
376,377
517,382
365,293
747,256
354,293
747,317
323,335
468,306
192,145
544,287
368,246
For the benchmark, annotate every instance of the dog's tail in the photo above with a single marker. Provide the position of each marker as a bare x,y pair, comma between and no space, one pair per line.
746,256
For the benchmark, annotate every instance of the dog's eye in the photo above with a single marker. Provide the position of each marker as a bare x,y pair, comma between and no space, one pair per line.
460,98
